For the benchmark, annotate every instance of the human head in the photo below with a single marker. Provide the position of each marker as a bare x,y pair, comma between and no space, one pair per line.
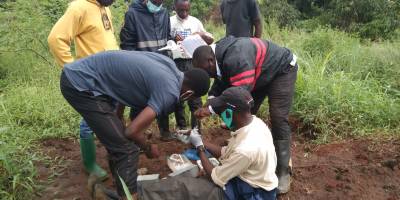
233,106
105,2
182,8
204,58
196,83
153,6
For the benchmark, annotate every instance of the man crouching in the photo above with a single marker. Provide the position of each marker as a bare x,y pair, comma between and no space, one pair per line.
248,162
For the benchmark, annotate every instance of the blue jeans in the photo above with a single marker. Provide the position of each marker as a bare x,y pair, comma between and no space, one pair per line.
84,130
237,189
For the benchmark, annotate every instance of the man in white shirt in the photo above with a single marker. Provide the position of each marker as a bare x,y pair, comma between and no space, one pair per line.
182,26
248,162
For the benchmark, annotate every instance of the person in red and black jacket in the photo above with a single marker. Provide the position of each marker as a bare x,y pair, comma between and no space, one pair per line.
264,69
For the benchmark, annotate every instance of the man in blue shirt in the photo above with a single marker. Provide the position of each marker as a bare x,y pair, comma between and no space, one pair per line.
147,82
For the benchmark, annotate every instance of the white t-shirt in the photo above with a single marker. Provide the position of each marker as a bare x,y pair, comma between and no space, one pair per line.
250,155
185,27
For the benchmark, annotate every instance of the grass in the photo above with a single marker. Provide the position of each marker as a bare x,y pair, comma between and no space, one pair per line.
345,87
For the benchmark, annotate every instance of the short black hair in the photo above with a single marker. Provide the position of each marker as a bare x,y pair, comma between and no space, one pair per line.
198,81
180,1
202,53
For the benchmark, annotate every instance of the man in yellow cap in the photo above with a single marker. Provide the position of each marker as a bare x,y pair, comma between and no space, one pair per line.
87,24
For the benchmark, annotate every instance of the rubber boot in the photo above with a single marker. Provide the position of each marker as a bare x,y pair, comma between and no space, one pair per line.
88,152
282,149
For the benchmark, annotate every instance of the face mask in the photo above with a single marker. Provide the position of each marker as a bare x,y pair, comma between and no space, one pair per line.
152,7
227,117
105,2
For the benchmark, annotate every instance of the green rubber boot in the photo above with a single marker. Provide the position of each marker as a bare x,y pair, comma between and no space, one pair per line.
88,152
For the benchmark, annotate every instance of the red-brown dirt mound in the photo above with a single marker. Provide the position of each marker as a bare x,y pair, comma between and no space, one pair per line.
351,169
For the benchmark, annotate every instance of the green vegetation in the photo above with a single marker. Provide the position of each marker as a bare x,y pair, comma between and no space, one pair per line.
346,86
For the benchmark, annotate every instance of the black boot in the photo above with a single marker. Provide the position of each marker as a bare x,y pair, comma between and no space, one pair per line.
282,149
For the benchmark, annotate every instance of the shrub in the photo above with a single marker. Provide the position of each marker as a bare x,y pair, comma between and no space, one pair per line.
279,11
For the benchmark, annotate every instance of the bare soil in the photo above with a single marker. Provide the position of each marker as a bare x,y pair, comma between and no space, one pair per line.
349,169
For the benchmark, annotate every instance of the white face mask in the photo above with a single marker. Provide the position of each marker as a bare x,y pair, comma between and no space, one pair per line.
152,7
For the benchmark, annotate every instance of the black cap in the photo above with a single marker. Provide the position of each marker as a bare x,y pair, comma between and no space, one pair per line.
236,98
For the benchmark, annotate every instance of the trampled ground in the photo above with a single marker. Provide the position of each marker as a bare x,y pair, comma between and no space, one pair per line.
350,169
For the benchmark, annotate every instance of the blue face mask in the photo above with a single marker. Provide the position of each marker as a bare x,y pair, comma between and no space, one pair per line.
227,117
152,7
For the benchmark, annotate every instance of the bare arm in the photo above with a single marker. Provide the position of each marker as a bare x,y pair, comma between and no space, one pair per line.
214,149
208,39
257,28
207,165
135,131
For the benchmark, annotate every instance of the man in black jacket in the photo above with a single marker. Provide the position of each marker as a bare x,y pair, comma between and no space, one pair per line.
264,69
147,28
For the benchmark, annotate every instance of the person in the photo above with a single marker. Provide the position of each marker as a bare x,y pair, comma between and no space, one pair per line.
248,162
182,26
147,28
88,24
264,69
242,18
92,85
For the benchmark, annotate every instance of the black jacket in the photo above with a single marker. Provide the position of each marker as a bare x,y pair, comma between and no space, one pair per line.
248,62
143,30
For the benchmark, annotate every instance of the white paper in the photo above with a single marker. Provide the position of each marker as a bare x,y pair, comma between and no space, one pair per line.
184,49
176,49
191,43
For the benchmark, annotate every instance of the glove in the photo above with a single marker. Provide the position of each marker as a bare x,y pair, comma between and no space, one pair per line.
195,138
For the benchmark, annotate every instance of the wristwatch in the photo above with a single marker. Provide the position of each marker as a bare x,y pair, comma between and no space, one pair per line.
201,149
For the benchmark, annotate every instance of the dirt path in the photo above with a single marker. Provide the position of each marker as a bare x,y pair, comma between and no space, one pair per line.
353,169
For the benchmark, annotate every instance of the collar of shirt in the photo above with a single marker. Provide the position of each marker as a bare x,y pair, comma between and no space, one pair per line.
180,19
216,62
241,130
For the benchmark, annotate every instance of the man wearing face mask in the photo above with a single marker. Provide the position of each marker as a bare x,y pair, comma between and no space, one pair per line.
87,24
248,162
147,82
147,28
264,69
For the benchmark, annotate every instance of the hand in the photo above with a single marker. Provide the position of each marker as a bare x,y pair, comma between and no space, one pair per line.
202,113
195,138
207,37
178,37
152,151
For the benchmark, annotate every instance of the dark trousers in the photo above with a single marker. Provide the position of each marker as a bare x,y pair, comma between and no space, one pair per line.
280,92
237,189
99,113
